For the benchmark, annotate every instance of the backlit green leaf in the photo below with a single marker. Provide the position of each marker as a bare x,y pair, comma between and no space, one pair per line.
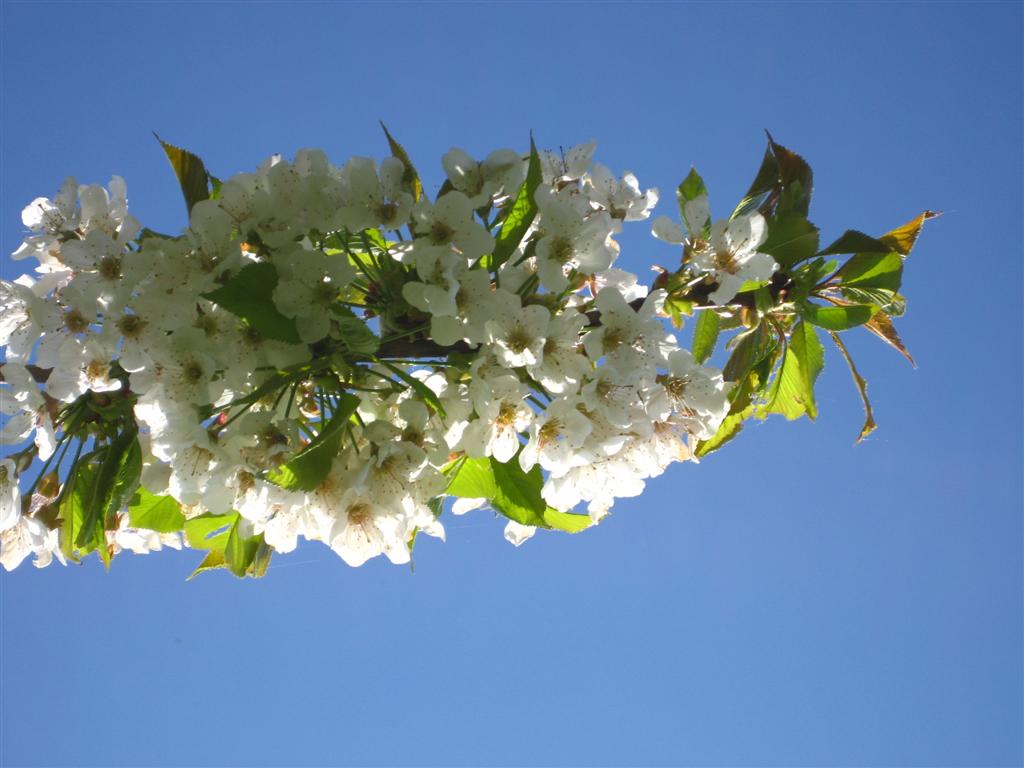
852,241
705,335
356,337
791,239
566,521
902,239
209,531
191,173
307,469
873,270
410,178
240,551
792,392
155,513
862,389
249,294
213,561
837,318
512,492
521,215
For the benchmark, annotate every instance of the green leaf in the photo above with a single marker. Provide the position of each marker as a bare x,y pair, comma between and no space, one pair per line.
783,182
795,177
518,496
691,188
249,294
209,531
753,346
155,513
761,187
791,239
705,335
862,389
359,341
837,318
127,480
677,308
872,270
307,469
889,301
240,551
473,479
110,489
191,173
566,521
410,178
792,392
73,508
731,426
741,408
902,239
214,560
852,241
520,215
510,491
882,326
810,275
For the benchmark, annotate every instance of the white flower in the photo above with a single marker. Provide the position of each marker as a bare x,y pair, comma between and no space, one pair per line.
183,367
372,199
502,172
566,166
24,317
562,365
10,496
475,302
556,437
697,392
310,282
26,405
571,239
622,199
517,533
363,528
81,366
517,334
449,223
732,255
501,416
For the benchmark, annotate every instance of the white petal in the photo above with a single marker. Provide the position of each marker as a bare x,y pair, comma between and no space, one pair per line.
665,229
516,533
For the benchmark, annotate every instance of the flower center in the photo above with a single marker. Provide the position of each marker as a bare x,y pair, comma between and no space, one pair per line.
359,514
97,369
131,326
387,211
441,233
75,322
519,339
110,268
193,372
324,293
562,249
726,262
550,432
506,415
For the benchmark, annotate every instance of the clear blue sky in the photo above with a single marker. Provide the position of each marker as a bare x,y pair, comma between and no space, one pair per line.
793,600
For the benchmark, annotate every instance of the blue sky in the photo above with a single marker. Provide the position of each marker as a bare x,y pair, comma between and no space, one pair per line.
792,600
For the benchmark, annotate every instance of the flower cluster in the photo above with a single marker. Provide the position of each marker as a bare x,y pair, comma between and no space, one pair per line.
325,350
